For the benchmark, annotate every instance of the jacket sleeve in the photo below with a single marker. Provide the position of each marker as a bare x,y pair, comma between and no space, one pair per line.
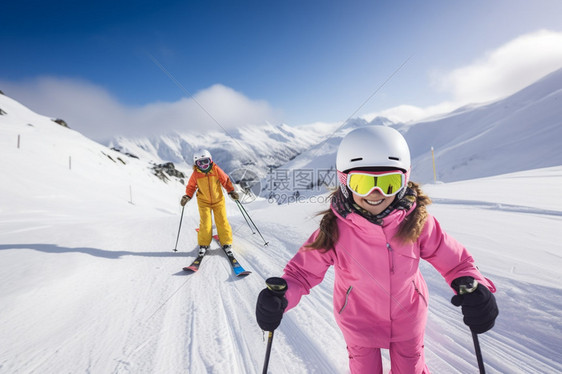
224,179
191,185
448,256
306,270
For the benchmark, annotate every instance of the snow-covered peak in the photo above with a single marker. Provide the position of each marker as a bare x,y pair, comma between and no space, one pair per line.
259,147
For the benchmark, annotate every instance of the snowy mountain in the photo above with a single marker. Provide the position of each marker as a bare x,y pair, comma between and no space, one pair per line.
468,143
259,148
473,141
258,154
90,283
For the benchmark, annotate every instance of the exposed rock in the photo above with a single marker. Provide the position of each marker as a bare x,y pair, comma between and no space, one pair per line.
125,153
61,122
163,171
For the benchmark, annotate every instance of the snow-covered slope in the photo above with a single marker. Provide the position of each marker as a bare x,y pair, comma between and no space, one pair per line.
89,281
513,134
520,132
53,158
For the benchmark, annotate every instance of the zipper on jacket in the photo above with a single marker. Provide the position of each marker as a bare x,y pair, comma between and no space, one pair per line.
391,256
210,189
346,299
419,293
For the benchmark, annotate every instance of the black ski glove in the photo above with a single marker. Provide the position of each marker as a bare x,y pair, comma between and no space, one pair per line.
477,302
271,304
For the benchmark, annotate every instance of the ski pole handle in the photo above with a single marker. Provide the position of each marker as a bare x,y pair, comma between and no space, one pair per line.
277,285
468,288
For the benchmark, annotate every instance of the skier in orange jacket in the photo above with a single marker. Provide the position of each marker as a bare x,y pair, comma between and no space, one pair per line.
207,179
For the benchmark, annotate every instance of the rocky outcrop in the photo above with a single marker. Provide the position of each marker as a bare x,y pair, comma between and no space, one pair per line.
61,122
166,170
125,153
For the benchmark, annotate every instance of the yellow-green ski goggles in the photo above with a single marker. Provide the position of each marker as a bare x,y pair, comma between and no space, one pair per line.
363,183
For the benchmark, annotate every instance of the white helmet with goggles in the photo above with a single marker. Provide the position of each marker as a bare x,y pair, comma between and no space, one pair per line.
201,154
203,160
373,147
376,150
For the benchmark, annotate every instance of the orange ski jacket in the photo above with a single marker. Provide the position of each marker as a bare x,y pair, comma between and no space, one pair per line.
208,185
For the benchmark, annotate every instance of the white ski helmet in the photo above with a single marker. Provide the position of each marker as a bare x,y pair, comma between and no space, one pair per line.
373,147
201,154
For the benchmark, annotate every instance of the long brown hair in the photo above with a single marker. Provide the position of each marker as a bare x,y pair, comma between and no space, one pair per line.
408,232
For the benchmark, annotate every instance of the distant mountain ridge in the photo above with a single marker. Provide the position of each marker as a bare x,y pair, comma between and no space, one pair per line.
258,147
519,132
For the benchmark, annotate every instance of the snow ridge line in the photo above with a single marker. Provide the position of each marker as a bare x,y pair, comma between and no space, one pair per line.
499,206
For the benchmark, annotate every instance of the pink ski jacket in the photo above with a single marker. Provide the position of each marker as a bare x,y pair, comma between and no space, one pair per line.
380,295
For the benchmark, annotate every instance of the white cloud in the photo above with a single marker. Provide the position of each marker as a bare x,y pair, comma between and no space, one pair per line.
499,73
401,113
506,70
96,113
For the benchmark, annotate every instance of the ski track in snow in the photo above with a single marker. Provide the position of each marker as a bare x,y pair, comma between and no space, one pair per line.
127,307
500,206
150,316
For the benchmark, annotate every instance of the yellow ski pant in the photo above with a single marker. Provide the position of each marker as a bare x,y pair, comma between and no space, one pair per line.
206,211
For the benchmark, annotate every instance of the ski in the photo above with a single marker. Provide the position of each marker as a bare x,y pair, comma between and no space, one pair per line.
236,267
195,264
239,271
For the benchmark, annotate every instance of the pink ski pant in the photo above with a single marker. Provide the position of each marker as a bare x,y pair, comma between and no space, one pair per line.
406,357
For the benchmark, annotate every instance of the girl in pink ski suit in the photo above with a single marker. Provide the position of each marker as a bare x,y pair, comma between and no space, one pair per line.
380,298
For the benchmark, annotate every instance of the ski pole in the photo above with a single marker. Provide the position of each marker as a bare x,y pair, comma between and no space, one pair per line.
178,238
246,219
464,289
267,351
245,215
279,289
478,353
250,218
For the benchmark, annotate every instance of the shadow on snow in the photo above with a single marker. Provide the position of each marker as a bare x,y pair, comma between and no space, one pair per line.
53,248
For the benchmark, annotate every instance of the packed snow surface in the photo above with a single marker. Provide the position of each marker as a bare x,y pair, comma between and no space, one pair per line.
90,283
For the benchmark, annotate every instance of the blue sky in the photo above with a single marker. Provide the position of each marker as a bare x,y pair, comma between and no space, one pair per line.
99,65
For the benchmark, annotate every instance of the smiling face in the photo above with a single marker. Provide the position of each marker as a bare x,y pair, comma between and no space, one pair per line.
374,203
